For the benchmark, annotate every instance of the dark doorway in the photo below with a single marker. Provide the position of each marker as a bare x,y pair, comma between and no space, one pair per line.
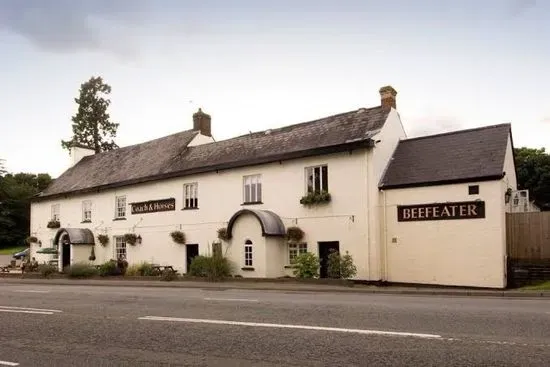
65,255
324,251
192,251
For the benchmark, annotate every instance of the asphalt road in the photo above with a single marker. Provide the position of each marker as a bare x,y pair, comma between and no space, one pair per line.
116,326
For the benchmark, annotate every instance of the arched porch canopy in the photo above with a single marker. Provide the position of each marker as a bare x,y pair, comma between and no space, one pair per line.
77,236
271,223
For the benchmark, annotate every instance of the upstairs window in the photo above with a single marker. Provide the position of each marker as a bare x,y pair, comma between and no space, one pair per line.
87,211
191,196
317,178
252,189
120,208
55,212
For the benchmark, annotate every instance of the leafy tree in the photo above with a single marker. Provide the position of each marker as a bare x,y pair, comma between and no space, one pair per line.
533,170
2,168
15,193
91,125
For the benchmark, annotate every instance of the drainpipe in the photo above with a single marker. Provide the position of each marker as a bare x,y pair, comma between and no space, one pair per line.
367,186
385,221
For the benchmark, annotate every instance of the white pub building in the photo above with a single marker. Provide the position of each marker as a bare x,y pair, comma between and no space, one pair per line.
428,210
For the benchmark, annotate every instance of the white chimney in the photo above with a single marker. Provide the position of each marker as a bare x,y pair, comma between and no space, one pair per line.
77,152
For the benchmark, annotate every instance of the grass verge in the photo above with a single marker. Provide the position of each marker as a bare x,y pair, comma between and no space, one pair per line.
538,287
11,250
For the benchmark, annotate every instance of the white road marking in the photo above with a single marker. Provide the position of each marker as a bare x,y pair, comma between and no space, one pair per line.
288,326
29,309
231,299
5,363
25,311
21,291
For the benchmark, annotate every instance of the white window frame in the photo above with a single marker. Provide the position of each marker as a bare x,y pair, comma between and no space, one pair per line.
191,195
252,185
295,249
311,185
87,211
120,247
248,254
56,212
120,210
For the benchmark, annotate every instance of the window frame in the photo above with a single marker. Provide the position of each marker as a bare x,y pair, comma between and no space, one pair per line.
123,246
251,181
86,208
323,178
248,254
473,189
194,195
117,207
299,248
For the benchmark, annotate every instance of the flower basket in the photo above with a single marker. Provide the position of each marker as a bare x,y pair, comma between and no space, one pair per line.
53,224
313,198
130,238
103,239
223,234
294,234
178,237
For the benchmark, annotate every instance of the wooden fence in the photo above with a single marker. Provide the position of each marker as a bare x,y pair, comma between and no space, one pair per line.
528,236
528,247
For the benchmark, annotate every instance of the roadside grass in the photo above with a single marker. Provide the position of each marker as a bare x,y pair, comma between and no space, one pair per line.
538,287
11,250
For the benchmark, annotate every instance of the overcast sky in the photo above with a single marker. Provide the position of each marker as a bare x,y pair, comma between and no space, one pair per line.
259,64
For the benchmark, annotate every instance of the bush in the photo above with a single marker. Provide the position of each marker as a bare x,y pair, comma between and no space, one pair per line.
109,268
211,267
306,266
81,270
340,267
143,269
46,270
168,275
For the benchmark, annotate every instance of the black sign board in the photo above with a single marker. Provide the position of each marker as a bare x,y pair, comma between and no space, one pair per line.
154,206
441,211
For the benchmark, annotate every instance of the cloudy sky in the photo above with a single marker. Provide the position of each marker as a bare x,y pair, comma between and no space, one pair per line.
259,64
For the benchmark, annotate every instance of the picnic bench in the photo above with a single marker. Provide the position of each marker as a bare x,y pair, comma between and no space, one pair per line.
159,269
5,269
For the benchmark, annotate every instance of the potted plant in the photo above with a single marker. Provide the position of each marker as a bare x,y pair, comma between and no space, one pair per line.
103,239
178,237
53,224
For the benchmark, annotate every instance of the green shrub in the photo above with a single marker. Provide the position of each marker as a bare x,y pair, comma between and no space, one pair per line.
168,275
81,270
212,267
340,267
46,270
306,265
143,269
109,268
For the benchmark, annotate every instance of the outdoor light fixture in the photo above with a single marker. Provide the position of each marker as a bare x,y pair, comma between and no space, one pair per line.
138,239
508,195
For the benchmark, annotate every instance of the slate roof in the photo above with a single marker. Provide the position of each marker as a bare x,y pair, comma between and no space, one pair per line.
459,156
171,156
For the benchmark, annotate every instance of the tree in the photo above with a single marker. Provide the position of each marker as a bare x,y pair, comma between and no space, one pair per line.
91,125
2,168
533,170
15,193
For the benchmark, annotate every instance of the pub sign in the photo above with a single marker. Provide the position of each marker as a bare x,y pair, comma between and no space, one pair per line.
441,211
154,206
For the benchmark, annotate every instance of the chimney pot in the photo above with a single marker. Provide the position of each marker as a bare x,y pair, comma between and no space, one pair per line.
387,97
202,122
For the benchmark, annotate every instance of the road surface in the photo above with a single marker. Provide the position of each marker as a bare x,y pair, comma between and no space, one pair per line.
54,325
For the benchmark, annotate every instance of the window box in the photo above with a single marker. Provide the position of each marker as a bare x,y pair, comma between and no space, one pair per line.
53,224
313,198
247,268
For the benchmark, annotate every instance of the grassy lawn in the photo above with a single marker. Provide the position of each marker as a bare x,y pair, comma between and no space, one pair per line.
11,250
538,287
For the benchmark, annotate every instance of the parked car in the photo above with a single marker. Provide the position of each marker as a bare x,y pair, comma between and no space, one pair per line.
19,255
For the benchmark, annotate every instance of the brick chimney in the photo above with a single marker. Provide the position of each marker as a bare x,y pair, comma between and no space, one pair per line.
201,122
387,96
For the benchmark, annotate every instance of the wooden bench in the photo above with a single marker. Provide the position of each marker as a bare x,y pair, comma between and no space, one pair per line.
159,269
4,269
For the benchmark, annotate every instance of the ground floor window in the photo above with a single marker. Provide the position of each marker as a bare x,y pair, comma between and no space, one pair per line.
248,253
295,249
120,247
